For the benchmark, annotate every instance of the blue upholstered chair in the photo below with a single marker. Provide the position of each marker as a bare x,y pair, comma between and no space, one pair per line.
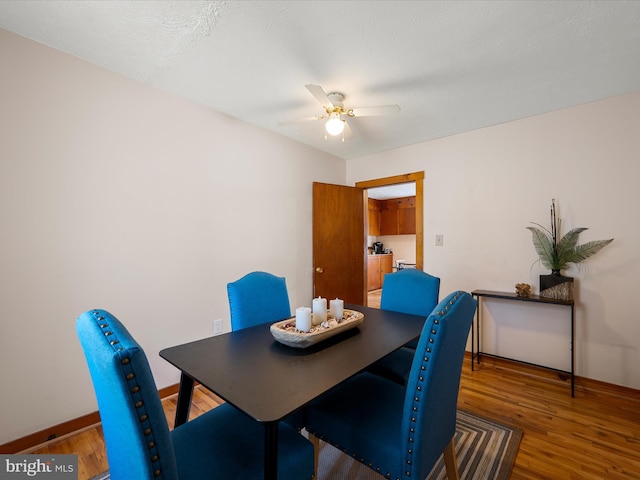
401,431
258,297
408,291
220,444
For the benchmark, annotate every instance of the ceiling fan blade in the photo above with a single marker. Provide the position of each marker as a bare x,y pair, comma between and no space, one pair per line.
371,111
320,95
300,120
347,133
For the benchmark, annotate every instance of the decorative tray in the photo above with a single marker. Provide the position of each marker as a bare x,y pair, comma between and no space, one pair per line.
285,331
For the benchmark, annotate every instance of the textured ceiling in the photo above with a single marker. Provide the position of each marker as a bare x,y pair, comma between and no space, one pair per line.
451,66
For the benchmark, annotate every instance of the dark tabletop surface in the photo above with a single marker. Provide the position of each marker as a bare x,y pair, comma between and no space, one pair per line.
268,380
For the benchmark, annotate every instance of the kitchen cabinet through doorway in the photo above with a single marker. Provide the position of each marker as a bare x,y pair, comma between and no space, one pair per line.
377,267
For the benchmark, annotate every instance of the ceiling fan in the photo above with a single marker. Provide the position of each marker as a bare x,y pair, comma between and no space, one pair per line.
337,114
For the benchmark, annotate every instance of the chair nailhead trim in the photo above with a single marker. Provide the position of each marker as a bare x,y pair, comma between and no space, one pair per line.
419,390
129,376
353,455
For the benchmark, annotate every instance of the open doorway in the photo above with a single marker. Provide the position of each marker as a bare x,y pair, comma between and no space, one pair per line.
411,182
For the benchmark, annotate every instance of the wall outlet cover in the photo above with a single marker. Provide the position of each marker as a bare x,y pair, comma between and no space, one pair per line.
217,326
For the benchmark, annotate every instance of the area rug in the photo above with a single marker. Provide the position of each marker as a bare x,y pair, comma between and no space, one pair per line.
485,449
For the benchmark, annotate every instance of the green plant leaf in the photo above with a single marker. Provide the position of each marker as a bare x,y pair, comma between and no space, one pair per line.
565,250
582,252
544,247
556,254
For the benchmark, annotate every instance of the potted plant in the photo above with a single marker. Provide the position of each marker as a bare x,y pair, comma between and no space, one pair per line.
556,253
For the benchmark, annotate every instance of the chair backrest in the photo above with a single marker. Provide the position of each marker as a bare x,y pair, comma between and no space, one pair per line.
258,297
410,291
135,428
429,415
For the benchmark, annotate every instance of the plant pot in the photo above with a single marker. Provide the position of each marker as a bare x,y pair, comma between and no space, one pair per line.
556,286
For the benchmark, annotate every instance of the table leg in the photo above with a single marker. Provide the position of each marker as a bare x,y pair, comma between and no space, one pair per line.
572,352
473,346
271,451
479,309
185,394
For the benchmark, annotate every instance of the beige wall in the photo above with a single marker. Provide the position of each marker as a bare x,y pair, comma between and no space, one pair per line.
484,187
119,196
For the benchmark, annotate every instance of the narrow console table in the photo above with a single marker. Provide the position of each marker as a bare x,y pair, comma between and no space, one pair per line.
475,336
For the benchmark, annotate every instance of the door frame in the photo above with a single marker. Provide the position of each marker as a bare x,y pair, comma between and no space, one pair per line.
418,178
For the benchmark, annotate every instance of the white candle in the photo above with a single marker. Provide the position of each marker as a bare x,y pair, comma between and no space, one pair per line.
319,310
336,308
303,319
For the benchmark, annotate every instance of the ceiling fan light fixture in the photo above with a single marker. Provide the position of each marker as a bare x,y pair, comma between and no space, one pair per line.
335,125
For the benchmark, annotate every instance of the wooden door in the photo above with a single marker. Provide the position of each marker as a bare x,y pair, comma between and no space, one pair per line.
339,242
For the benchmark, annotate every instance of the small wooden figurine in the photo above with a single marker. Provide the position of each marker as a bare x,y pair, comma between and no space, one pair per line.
523,289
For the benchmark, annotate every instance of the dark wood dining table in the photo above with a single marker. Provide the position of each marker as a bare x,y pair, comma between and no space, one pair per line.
269,381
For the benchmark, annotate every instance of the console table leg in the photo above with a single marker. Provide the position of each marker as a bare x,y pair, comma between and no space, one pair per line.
473,346
478,307
572,353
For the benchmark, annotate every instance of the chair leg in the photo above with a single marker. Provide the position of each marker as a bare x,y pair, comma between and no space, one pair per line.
451,462
316,453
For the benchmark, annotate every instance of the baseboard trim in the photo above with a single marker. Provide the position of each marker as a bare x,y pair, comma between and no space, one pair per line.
581,383
71,426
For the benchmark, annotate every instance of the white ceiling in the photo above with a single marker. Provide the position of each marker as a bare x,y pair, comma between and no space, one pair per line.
392,191
452,66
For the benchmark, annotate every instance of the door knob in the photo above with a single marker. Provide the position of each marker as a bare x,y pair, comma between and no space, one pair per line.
319,269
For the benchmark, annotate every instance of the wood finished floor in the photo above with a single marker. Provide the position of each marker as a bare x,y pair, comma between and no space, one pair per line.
595,435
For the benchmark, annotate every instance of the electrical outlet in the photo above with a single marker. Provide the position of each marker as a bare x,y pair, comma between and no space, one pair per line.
217,326
439,240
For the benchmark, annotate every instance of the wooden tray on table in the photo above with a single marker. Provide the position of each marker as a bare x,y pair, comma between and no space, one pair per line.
285,331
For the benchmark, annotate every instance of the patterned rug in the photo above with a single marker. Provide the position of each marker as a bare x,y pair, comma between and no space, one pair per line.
485,450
